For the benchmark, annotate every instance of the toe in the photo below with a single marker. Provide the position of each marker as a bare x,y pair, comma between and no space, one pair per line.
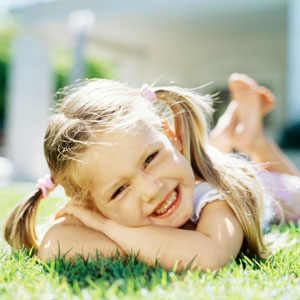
240,83
268,100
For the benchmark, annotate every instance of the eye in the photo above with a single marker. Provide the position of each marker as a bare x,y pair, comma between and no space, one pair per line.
150,158
118,191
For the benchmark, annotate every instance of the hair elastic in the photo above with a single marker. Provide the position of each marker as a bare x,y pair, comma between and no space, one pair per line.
148,93
46,185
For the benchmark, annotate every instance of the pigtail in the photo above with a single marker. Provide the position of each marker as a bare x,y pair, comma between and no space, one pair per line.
19,229
233,177
189,116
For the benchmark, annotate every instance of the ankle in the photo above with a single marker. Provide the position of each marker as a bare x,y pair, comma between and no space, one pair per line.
261,145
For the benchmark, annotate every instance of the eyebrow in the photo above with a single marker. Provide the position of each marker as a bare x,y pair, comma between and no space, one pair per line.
145,152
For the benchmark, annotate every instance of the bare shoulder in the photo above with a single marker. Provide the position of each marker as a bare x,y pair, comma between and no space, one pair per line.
67,236
216,213
218,221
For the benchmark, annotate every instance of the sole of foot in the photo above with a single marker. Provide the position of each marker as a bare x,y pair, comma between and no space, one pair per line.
267,98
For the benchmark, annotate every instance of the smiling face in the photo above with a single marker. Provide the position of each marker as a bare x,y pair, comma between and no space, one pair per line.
140,178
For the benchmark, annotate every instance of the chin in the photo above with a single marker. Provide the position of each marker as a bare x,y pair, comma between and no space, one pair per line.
177,223
180,224
186,218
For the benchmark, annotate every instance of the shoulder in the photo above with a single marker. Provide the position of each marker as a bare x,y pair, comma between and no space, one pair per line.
219,222
204,193
218,216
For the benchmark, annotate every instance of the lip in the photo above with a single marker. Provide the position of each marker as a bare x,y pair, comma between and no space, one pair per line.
172,208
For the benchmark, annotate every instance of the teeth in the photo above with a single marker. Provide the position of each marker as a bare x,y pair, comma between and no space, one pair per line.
168,204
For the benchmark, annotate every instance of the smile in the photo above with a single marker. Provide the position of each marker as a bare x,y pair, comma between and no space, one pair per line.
169,205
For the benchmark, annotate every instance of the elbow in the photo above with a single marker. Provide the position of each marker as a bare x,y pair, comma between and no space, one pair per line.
209,263
212,262
216,261
42,254
46,251
52,246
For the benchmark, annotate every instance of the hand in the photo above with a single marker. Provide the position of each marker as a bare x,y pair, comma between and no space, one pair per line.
89,218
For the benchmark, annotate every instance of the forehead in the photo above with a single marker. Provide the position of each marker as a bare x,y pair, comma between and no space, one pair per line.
116,141
116,151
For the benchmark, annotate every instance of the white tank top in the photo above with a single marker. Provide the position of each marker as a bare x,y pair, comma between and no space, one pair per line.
204,193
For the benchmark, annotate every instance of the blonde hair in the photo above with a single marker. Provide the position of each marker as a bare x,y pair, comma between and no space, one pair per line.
103,105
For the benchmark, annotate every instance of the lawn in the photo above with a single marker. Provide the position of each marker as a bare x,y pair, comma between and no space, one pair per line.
25,277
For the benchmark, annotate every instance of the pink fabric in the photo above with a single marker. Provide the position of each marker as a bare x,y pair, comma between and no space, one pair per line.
148,93
286,190
46,184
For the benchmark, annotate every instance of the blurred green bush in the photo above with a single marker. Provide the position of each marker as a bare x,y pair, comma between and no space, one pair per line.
6,37
62,62
94,68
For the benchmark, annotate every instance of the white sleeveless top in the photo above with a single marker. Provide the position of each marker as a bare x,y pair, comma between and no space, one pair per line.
204,193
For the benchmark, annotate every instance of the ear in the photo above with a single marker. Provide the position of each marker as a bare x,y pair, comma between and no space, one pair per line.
172,136
177,143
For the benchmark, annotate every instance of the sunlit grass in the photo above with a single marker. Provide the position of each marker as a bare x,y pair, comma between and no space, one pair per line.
25,277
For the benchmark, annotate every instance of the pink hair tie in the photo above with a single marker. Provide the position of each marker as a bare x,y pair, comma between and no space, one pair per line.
46,185
148,93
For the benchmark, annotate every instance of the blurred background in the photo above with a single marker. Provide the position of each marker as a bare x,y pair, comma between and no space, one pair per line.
45,45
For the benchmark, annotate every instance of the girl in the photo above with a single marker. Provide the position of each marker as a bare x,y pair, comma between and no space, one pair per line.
137,184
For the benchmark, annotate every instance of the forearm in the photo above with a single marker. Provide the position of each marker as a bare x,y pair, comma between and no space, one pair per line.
217,238
269,152
169,245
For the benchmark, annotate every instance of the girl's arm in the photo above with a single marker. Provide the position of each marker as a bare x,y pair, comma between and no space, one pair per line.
217,238
69,237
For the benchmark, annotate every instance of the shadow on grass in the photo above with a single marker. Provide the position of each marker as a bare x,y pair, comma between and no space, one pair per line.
126,272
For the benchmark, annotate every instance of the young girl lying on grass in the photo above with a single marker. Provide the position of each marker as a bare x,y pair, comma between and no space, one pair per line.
139,185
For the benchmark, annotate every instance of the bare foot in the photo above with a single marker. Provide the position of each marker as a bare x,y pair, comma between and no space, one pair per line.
249,112
231,125
268,100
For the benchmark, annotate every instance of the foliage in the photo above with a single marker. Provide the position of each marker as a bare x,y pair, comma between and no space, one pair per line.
95,68
6,37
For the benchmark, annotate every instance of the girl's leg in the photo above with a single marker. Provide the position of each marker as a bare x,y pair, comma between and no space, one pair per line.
229,125
251,139
244,131
268,152
241,126
222,136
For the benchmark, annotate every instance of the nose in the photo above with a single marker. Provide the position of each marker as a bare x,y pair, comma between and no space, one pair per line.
149,187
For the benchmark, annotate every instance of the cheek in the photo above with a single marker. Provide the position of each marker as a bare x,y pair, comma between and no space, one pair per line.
184,167
128,219
125,213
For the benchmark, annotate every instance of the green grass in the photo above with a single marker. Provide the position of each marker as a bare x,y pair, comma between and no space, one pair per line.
25,277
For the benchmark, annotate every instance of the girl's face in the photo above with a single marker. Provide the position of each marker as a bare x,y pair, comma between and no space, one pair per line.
141,178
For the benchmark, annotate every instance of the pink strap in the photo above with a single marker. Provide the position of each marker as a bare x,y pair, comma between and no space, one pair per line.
148,93
46,184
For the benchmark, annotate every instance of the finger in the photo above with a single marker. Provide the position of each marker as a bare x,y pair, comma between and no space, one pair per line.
64,210
58,216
